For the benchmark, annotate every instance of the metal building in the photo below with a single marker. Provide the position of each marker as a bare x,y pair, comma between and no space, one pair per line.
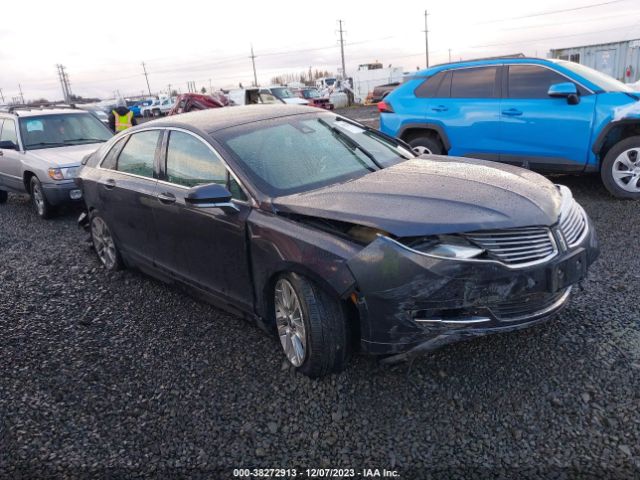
621,60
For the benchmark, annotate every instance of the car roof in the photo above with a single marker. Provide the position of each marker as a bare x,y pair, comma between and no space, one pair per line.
38,112
482,62
215,119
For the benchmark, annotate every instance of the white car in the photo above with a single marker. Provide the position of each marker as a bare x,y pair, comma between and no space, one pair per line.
158,108
284,94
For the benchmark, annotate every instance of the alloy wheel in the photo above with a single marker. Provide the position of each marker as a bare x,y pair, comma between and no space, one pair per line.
103,243
626,170
290,322
421,150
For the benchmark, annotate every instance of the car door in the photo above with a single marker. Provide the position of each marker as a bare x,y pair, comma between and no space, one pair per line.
127,193
541,132
466,105
206,247
10,158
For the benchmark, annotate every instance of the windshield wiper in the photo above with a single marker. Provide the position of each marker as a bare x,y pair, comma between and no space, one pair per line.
84,140
44,144
350,142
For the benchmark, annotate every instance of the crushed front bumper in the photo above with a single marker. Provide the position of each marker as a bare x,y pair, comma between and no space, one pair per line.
62,192
409,302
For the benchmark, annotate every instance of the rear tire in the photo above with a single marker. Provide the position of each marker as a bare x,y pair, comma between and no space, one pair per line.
620,170
325,333
39,200
426,145
4,196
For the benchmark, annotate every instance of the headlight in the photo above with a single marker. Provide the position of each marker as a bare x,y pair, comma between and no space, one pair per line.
449,246
63,173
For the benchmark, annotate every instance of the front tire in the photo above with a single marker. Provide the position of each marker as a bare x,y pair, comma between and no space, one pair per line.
620,170
311,326
104,244
4,196
426,146
39,200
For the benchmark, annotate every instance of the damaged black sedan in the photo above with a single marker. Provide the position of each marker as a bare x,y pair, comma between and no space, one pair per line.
332,234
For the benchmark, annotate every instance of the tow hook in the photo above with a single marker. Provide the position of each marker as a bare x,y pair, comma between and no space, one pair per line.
83,221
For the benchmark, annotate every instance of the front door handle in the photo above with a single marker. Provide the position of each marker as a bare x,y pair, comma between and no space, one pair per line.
167,198
512,112
109,184
440,108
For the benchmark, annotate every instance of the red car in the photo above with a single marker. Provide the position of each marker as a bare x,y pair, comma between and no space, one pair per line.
312,95
190,102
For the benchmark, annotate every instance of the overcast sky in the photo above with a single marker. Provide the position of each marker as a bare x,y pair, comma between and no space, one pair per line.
102,43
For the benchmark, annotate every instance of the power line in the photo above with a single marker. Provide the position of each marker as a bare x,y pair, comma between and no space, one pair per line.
553,12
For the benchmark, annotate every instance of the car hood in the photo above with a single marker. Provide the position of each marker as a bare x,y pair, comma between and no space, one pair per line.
295,101
434,195
64,156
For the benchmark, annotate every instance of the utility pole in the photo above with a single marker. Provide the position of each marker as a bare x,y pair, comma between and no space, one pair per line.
2,95
63,83
144,68
21,95
426,40
344,72
169,89
253,62
210,87
449,55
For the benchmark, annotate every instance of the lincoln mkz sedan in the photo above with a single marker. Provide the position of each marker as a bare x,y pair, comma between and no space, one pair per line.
333,235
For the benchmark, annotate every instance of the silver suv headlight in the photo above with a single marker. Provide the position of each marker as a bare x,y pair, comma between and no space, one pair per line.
66,173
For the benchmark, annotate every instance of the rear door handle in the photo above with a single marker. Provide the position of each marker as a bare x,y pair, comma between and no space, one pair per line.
167,198
109,184
512,112
439,108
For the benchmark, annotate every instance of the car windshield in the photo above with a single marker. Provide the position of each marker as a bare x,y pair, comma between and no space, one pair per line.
329,81
282,92
57,130
604,81
311,94
300,153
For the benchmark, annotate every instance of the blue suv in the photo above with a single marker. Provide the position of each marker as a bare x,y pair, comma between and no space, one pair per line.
546,115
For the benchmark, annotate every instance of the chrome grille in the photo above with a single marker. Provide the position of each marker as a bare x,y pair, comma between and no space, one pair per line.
534,304
516,246
573,224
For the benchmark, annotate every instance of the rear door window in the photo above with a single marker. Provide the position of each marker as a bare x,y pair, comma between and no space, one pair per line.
532,81
9,132
474,82
138,155
430,87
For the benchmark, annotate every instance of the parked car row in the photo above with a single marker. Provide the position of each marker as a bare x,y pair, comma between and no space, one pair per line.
340,238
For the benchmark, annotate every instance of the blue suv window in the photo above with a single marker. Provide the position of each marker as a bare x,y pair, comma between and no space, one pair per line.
474,83
429,88
532,81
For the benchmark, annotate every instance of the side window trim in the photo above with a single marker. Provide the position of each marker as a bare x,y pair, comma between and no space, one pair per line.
125,139
230,172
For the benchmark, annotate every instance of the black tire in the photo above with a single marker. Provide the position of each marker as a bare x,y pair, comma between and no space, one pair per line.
4,196
611,165
426,145
39,199
111,263
327,334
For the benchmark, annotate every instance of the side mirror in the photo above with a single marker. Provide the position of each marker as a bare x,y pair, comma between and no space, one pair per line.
212,195
566,90
8,145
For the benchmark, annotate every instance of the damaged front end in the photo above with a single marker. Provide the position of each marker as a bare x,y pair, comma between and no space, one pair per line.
415,295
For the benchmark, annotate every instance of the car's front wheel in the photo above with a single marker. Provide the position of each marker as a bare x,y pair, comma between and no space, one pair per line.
620,169
311,326
426,145
104,244
39,200
4,196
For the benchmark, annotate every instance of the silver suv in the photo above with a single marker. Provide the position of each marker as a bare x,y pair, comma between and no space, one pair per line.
40,151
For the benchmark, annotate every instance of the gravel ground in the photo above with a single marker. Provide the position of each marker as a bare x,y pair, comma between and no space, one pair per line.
120,376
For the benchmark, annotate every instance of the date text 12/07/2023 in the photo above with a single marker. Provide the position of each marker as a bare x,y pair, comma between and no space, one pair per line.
315,473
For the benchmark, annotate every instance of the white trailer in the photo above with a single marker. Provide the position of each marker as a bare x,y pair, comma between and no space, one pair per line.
370,75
